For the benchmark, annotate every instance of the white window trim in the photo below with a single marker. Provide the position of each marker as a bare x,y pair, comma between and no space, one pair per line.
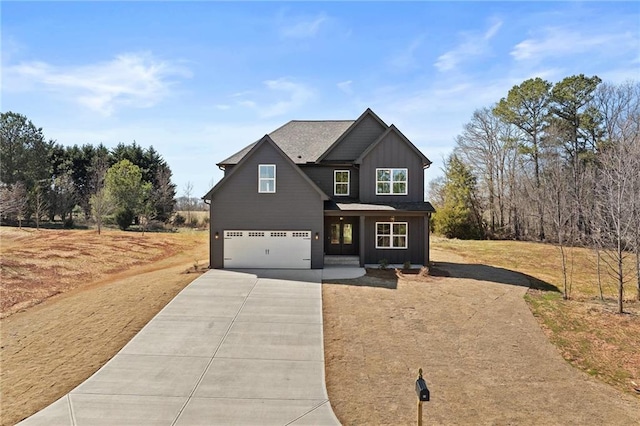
260,179
335,183
391,182
391,235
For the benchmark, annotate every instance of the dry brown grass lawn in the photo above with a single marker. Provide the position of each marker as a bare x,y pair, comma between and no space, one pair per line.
198,215
586,330
73,299
37,264
485,357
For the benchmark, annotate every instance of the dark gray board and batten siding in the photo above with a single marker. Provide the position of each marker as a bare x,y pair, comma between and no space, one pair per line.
237,205
391,152
357,140
324,178
416,249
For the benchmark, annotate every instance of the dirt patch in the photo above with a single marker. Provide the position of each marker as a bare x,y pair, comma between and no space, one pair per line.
485,359
50,348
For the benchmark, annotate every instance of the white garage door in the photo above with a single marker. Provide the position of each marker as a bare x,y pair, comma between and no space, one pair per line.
267,249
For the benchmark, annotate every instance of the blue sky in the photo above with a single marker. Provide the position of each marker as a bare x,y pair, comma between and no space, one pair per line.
200,80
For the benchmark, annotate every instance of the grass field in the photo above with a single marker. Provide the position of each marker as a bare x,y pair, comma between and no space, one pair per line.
72,299
37,264
586,330
200,217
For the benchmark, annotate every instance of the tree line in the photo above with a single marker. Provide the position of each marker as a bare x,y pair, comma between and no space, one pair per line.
558,163
42,179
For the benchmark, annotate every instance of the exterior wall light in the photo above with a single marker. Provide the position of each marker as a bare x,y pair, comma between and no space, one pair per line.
317,235
217,235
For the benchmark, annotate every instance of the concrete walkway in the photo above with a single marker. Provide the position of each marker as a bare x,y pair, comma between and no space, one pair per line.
242,347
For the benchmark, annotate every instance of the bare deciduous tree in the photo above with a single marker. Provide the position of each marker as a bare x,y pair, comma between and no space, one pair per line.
616,184
102,202
559,210
485,145
39,203
13,202
188,192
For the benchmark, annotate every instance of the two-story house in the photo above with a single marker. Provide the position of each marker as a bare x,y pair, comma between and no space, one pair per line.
312,189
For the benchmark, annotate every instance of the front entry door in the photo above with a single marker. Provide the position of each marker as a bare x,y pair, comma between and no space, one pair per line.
342,235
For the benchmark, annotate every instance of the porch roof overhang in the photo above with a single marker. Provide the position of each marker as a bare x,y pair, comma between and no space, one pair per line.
332,208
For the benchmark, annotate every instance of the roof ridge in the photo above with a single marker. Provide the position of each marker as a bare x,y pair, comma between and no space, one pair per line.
320,121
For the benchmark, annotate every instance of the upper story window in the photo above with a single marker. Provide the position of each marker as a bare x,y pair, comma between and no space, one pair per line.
341,182
391,181
267,178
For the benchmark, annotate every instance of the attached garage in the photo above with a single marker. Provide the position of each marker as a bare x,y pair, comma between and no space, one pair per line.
267,249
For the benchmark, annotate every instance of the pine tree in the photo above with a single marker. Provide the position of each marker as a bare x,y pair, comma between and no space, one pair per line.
459,217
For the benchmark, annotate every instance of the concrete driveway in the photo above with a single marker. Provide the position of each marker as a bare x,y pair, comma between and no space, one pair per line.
231,348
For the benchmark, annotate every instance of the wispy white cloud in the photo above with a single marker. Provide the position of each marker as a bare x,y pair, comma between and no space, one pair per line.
406,60
136,80
561,42
305,27
472,45
345,86
281,97
248,104
10,48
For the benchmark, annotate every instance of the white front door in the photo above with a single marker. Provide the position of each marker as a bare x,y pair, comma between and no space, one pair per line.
267,249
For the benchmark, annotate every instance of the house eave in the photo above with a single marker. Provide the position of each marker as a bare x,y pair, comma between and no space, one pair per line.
333,208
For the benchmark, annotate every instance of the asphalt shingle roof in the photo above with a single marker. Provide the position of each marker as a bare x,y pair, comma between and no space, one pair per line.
390,206
302,141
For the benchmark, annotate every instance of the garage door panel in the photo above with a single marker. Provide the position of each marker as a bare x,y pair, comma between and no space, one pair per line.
267,249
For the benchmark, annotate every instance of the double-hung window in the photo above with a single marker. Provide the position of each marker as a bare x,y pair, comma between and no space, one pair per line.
391,181
267,178
341,182
391,235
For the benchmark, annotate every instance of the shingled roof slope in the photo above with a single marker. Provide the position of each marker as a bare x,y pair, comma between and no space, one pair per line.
302,141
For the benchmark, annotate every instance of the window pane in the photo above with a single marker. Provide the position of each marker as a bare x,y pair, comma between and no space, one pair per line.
342,177
383,188
400,228
399,175
384,229
384,241
399,188
342,189
384,175
347,234
399,241
267,171
335,233
267,185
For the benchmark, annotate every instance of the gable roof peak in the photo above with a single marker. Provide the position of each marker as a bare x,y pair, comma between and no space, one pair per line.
319,136
266,139
367,113
393,129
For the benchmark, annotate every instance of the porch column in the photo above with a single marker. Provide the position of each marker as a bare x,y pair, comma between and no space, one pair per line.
361,238
427,233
